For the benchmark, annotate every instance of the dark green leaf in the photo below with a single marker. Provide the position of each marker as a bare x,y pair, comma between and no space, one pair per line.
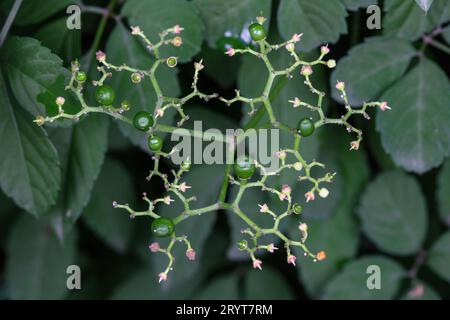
351,282
37,263
356,4
230,17
370,68
320,21
439,256
443,192
257,283
393,213
30,172
154,16
220,288
415,132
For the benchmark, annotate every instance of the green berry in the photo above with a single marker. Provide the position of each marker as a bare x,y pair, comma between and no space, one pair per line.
305,127
143,120
257,31
162,227
244,168
80,76
242,245
155,143
136,77
296,208
225,43
105,95
171,62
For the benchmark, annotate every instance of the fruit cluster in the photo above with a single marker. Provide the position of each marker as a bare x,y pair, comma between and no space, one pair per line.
246,173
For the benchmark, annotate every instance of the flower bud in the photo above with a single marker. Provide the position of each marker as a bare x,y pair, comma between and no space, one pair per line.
154,247
40,120
324,50
257,264
100,56
291,259
177,41
306,71
190,254
323,193
125,105
298,166
331,63
321,255
60,101
290,46
340,86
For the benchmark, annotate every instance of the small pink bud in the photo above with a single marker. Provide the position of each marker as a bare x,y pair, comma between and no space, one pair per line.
159,113
309,196
257,264
286,189
303,227
190,254
340,86
354,145
60,101
162,277
199,65
290,46
296,102
324,50
384,106
296,37
168,200
281,154
263,208
154,247
261,19
177,29
271,247
100,56
177,41
230,52
135,30
291,259
306,71
114,204
184,187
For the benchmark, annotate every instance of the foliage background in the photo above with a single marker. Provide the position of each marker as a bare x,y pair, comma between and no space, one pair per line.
390,203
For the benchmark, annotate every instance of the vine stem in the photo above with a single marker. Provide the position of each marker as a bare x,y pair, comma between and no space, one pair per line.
11,16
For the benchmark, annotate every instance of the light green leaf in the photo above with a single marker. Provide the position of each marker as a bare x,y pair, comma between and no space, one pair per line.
32,11
82,149
406,20
320,21
356,4
351,282
439,256
257,283
31,69
393,213
63,41
223,287
37,261
30,172
154,16
230,17
141,96
370,68
443,192
416,132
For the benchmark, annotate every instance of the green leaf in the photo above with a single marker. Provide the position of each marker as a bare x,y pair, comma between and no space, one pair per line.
31,69
169,13
223,287
446,34
32,11
406,20
37,261
81,149
113,226
63,41
30,172
427,293
424,4
230,17
257,282
196,228
320,21
439,256
141,96
415,132
370,68
356,4
443,192
220,67
393,213
351,282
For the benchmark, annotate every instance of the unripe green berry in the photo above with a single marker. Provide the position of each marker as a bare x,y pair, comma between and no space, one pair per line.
244,168
80,76
104,95
143,120
136,77
257,31
162,227
155,143
242,245
171,62
305,127
125,105
296,208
